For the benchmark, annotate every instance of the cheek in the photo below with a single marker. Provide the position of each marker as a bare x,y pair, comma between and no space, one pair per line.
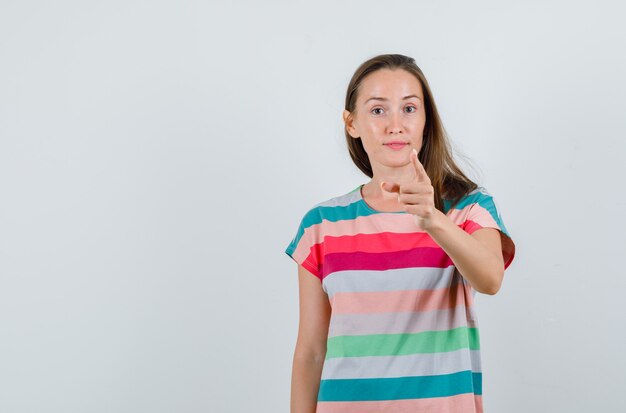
376,124
420,121
420,116
370,142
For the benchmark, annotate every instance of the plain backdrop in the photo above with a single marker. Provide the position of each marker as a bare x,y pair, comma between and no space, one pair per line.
156,158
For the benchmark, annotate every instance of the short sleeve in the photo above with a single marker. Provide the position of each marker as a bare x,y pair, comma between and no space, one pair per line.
484,213
306,246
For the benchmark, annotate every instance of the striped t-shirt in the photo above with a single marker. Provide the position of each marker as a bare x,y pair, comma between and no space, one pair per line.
403,333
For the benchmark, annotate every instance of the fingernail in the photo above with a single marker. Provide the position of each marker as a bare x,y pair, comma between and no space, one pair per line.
415,151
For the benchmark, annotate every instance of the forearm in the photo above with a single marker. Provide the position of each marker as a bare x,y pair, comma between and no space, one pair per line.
305,381
475,262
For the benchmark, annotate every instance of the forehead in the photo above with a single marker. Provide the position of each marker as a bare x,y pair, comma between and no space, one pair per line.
390,84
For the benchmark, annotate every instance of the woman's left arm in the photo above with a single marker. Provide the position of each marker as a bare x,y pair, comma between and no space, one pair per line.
478,256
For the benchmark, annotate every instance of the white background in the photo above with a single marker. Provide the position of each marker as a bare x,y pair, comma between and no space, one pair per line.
156,158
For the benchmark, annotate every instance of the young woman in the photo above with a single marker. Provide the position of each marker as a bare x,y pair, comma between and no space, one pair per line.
388,271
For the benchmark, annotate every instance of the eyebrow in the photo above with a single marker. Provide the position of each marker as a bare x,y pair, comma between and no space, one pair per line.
385,99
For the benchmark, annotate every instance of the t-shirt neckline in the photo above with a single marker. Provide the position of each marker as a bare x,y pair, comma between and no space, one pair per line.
369,208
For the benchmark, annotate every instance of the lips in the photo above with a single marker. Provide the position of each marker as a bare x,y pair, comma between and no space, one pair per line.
396,145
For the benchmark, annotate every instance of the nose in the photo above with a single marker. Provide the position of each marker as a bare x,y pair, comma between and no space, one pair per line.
395,124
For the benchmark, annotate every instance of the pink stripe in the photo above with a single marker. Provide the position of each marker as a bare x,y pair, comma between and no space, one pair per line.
370,224
479,403
416,257
401,301
471,226
379,242
466,403
482,217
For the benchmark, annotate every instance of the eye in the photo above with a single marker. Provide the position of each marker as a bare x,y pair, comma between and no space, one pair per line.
375,109
411,107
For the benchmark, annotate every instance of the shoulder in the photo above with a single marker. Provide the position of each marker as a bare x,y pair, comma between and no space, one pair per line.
480,195
340,200
480,199
483,207
330,207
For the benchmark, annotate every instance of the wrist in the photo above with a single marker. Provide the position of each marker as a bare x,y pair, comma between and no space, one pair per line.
436,222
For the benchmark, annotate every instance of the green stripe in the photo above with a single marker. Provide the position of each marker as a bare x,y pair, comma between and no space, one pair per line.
401,344
396,388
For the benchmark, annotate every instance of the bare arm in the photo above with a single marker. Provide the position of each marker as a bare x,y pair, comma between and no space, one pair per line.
308,358
478,256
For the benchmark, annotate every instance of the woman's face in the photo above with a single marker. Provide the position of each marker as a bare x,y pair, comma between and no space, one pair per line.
389,108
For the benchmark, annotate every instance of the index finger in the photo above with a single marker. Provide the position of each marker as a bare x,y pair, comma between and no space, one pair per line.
420,172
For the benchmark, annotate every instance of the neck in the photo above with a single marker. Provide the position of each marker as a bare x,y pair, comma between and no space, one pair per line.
391,175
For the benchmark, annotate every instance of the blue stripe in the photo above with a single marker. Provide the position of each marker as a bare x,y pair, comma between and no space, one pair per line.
357,209
397,388
333,214
485,200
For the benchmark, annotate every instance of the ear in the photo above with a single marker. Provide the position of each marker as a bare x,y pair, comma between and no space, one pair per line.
349,121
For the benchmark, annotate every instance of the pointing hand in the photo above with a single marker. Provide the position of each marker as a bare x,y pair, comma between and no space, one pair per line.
417,195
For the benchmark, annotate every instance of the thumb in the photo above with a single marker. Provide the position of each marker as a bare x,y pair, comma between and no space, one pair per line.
390,187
